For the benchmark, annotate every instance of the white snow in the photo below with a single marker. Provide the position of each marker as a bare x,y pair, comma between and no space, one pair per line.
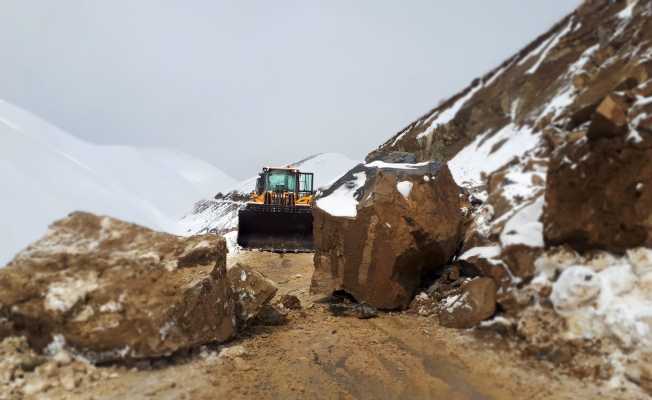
524,227
560,102
404,188
628,11
499,73
232,242
62,296
111,307
445,116
46,173
477,157
400,135
551,44
387,165
487,252
341,202
606,297
634,136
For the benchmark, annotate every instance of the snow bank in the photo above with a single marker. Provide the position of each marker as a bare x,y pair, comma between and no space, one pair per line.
47,173
607,297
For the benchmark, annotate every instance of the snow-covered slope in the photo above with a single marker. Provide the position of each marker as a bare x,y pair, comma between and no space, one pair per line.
221,215
47,173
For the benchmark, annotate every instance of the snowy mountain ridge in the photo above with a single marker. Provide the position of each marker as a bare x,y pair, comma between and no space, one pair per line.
48,173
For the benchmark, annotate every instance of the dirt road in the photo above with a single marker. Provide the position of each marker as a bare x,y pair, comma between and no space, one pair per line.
320,356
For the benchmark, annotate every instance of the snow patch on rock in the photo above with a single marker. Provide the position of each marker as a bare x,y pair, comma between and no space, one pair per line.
404,188
62,296
525,226
342,202
488,153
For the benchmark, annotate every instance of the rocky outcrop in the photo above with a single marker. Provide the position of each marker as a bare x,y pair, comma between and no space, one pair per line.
251,290
555,146
599,193
109,289
475,303
381,227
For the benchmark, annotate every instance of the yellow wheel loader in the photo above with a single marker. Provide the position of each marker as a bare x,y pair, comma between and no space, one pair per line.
278,216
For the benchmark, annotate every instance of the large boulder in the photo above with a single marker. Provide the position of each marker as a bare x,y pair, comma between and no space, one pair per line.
109,289
599,193
381,226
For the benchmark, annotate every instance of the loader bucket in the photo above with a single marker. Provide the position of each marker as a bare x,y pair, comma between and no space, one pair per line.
275,228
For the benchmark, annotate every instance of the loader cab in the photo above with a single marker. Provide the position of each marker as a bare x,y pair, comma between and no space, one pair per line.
281,180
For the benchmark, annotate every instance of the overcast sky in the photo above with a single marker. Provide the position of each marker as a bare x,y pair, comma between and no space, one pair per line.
246,83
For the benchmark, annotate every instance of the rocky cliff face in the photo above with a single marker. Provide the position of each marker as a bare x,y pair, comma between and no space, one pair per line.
555,146
545,88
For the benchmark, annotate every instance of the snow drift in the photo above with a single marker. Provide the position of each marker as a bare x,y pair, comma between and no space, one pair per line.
46,173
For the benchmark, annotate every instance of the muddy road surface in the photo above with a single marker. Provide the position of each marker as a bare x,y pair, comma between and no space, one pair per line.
317,355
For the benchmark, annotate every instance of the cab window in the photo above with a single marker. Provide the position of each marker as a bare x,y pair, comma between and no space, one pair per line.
281,181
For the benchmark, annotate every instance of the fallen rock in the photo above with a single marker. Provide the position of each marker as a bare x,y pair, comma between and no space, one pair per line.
365,311
381,226
599,194
251,289
290,302
270,316
110,290
475,303
609,119
424,305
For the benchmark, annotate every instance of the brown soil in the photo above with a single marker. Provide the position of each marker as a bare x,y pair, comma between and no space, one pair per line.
320,356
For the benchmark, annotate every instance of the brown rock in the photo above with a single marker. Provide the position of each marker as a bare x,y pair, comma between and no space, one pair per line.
520,259
490,268
380,255
474,304
599,196
290,302
110,289
251,291
610,118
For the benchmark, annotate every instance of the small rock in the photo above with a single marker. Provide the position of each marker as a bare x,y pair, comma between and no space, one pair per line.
47,370
270,316
36,386
365,311
241,364
475,303
69,381
62,358
290,302
232,352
